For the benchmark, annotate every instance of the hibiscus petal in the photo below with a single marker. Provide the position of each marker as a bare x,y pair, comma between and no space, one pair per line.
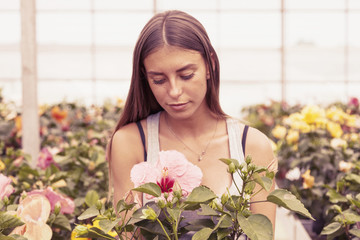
175,162
143,173
34,208
36,231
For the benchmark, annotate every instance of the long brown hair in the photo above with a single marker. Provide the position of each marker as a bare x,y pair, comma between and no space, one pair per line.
172,28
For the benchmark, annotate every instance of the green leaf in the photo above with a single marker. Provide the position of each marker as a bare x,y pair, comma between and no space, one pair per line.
200,194
150,188
264,182
91,198
203,234
226,222
335,197
228,161
331,228
174,213
256,227
16,237
9,221
62,222
351,216
96,233
287,200
222,233
353,178
89,213
249,187
207,210
4,237
355,232
107,225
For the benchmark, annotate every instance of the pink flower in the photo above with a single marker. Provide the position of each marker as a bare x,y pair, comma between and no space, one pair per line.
45,158
172,166
67,205
34,211
5,186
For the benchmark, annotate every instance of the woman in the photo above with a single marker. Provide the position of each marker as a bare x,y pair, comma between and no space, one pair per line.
173,104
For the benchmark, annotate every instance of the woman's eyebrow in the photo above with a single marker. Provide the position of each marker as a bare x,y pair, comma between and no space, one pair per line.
191,65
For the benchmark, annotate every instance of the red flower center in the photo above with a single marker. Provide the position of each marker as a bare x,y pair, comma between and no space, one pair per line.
166,183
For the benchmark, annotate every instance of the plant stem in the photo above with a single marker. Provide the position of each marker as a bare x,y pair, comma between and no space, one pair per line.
162,226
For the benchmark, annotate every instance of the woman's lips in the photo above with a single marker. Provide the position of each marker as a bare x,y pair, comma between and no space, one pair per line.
178,106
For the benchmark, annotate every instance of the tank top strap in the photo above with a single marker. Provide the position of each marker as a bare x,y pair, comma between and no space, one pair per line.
153,148
233,129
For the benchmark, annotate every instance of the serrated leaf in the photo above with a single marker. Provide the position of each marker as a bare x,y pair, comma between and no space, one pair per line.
264,182
200,194
150,188
287,200
331,228
256,227
91,198
89,213
203,234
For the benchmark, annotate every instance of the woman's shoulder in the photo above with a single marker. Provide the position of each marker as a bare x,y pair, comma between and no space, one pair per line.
258,145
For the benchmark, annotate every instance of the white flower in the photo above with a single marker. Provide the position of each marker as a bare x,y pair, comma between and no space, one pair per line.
293,174
338,143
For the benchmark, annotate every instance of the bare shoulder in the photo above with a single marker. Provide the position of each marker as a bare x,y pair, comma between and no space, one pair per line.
126,145
258,146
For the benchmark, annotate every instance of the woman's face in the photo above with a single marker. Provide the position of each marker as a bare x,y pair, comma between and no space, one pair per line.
177,78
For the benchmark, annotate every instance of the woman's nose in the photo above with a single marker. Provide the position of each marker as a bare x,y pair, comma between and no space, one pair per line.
175,89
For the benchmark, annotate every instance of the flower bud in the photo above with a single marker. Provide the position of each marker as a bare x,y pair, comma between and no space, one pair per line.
248,159
232,168
161,203
26,185
224,198
98,205
57,208
80,230
166,195
6,200
149,213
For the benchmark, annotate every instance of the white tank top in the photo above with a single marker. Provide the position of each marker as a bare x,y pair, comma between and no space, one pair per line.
233,130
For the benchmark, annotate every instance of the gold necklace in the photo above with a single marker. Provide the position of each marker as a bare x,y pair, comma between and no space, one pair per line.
202,154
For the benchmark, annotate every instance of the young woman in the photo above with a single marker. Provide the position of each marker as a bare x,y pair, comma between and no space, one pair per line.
173,104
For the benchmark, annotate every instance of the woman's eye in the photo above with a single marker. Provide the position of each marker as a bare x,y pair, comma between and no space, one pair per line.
158,81
187,77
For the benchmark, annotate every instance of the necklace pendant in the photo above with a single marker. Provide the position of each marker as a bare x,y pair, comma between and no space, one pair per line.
201,155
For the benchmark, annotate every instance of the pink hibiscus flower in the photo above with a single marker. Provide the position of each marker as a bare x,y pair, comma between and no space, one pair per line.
45,159
172,166
5,186
34,211
67,205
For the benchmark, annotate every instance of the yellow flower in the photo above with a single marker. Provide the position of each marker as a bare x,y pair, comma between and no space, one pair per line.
2,165
336,114
279,132
334,129
312,113
111,233
58,114
120,103
308,179
292,137
345,166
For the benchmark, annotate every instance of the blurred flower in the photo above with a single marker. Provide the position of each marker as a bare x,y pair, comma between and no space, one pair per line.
353,102
2,165
34,211
338,143
120,103
345,166
6,189
58,114
334,129
45,159
18,123
67,205
293,174
18,161
312,114
292,137
59,184
308,179
279,132
171,166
